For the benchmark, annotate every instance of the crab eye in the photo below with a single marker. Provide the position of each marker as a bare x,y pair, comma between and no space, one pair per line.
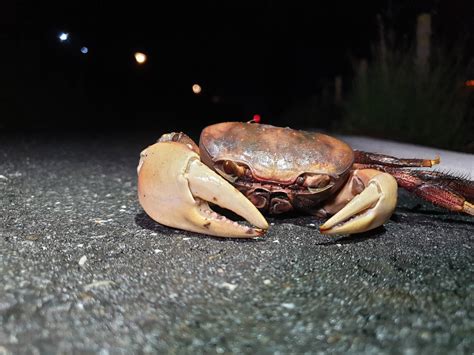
315,183
313,180
227,167
232,171
232,168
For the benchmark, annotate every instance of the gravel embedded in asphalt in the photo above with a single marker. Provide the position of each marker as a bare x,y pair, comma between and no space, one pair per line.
83,269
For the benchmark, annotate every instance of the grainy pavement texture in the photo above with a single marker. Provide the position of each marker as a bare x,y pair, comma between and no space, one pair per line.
84,270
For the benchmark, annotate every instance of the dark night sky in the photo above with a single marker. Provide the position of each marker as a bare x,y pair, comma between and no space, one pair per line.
250,56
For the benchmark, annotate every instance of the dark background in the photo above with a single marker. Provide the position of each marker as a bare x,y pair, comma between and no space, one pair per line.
263,57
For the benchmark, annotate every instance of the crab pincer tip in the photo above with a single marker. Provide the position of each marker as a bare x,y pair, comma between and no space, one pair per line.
436,160
430,162
468,208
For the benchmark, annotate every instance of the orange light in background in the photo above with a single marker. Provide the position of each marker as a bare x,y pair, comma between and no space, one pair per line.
470,83
197,89
140,57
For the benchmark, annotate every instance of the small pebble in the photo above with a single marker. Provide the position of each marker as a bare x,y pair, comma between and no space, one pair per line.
82,260
158,251
101,283
267,282
288,305
32,237
228,286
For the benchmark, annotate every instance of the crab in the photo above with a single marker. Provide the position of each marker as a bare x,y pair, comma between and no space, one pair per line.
251,168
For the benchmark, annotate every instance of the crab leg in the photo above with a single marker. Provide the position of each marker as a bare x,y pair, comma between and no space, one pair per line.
369,209
362,157
453,193
174,188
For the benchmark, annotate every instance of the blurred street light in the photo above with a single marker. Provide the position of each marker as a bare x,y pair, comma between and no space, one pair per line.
470,83
84,50
197,89
140,57
63,36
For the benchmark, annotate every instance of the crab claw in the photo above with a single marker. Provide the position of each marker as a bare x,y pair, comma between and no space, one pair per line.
174,187
368,210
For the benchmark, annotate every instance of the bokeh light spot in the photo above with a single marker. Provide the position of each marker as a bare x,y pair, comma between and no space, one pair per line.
197,89
63,36
140,57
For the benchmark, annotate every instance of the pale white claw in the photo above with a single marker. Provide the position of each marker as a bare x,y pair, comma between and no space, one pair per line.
174,187
366,211
209,186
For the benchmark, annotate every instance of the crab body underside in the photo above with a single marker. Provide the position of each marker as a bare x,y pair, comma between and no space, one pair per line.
251,168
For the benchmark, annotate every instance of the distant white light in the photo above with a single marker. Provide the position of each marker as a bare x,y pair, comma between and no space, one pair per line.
84,50
197,89
63,36
140,57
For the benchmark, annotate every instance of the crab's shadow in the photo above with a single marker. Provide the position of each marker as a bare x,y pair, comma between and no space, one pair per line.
403,215
144,221
420,215
312,223
357,238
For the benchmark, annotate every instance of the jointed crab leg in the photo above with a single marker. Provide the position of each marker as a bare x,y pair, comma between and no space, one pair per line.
458,184
361,157
369,209
450,192
174,187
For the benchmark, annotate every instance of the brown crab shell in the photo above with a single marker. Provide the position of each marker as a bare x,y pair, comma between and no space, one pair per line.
275,154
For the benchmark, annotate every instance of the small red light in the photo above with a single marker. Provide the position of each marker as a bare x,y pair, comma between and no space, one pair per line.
256,118
470,83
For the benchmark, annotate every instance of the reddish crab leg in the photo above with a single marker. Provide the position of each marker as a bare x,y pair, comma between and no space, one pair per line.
361,157
441,189
451,192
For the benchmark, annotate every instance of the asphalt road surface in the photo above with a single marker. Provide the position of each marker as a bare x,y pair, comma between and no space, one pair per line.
84,270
